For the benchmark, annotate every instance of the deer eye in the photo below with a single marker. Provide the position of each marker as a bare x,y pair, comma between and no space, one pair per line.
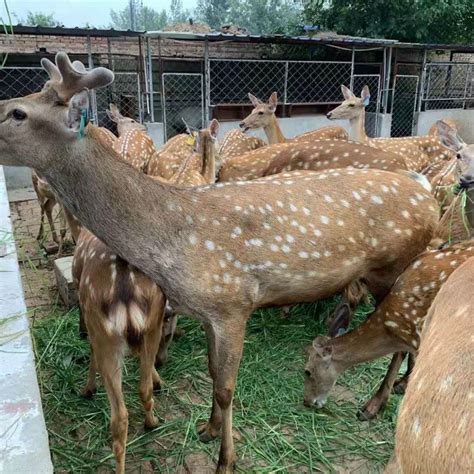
351,105
307,373
458,156
18,114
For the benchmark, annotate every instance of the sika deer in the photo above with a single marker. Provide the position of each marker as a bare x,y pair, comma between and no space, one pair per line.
263,116
133,144
435,422
236,143
421,152
219,252
395,327
319,155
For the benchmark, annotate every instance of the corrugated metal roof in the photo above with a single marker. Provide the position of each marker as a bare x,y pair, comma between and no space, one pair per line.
62,31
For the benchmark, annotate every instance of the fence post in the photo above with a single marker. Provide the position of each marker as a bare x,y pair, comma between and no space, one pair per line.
422,81
285,86
351,87
388,71
93,93
468,74
150,79
207,85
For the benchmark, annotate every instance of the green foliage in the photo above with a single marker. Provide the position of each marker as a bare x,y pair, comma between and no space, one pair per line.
40,19
146,18
258,16
177,12
430,21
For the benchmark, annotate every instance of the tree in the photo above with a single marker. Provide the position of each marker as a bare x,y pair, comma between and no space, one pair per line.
146,18
40,19
177,13
431,21
213,12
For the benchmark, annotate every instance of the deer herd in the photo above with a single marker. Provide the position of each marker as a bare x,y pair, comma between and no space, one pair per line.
217,231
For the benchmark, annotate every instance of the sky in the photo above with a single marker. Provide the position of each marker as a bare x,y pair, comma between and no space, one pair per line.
80,12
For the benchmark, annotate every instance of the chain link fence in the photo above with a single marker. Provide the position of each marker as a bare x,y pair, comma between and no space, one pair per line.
404,101
21,81
448,86
183,98
296,82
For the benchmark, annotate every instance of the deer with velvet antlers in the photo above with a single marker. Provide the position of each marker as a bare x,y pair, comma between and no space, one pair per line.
219,252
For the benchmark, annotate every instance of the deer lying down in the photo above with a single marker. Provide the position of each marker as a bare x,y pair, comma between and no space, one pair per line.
394,327
220,252
435,424
263,116
318,155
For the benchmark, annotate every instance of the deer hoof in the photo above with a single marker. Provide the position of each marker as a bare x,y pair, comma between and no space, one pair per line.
151,424
225,469
88,392
206,434
399,387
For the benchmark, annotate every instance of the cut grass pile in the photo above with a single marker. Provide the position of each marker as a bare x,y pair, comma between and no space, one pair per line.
274,432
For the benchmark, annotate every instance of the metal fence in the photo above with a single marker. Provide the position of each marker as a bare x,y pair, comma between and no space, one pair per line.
183,99
21,81
404,102
296,82
373,109
447,86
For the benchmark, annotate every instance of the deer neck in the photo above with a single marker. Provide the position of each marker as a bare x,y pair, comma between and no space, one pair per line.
208,153
273,132
367,342
135,215
357,131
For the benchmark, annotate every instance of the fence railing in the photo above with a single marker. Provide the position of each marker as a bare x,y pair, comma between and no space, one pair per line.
447,86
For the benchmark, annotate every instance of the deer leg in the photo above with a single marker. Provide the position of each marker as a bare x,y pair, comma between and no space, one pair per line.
400,385
148,350
379,400
108,356
62,229
41,228
91,385
210,430
229,345
49,206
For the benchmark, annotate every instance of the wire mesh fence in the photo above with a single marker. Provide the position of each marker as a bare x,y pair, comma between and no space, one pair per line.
404,101
448,86
21,81
373,109
296,82
183,99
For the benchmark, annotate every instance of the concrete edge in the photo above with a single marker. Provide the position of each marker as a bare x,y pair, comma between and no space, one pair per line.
24,444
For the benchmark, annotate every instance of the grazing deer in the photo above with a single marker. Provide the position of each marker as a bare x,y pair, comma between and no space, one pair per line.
47,201
263,116
394,327
435,421
421,152
318,155
219,252
133,143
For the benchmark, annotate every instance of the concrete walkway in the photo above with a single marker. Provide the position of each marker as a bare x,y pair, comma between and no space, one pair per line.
23,436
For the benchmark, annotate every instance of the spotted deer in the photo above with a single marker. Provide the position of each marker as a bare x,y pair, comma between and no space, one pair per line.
394,327
221,251
263,116
133,143
422,152
318,155
435,421
235,143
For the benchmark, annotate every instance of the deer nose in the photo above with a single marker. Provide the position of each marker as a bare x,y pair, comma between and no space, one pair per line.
329,115
242,124
466,180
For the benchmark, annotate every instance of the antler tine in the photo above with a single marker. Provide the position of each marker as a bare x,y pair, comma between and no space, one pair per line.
51,69
74,78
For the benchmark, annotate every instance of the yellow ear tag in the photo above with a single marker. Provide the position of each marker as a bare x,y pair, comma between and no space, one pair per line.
190,140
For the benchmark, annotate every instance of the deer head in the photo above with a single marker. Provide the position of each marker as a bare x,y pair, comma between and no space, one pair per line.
50,118
352,107
320,372
262,114
124,124
450,138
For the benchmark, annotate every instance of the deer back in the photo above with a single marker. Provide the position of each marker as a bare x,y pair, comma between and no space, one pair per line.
435,422
236,143
135,147
331,131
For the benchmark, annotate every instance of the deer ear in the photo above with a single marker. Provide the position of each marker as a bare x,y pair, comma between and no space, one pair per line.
273,101
449,136
346,92
365,96
78,111
322,348
214,128
254,100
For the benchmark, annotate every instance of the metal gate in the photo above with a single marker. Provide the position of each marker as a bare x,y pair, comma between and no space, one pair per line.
183,99
404,100
373,109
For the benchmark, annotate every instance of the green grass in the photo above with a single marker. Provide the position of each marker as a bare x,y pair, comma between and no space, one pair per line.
274,431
